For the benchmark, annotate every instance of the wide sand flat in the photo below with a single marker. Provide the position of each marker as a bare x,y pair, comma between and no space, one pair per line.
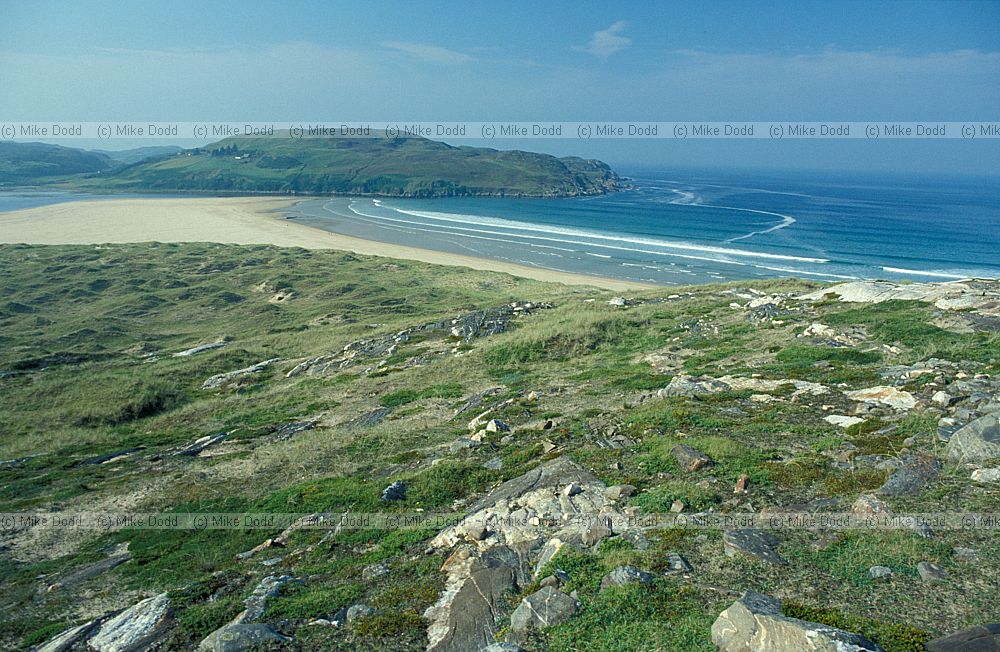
235,220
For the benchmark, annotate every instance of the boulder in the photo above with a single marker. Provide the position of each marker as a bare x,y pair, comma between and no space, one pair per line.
676,564
220,379
879,572
754,624
238,637
930,572
842,420
625,575
986,475
684,385
690,459
976,441
395,491
543,608
983,638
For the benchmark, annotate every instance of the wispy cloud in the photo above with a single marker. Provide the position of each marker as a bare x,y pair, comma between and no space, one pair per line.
606,42
428,52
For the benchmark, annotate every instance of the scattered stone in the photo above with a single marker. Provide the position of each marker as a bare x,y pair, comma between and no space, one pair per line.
879,572
676,564
930,572
888,396
942,398
691,459
618,302
754,623
753,543
374,571
976,442
619,491
623,575
983,638
677,506
219,379
986,475
843,421
395,491
496,425
198,445
543,608
356,611
915,472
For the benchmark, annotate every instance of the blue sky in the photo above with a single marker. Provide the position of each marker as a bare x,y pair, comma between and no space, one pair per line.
524,61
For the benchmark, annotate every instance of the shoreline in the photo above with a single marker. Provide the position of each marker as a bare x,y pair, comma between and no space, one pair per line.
238,220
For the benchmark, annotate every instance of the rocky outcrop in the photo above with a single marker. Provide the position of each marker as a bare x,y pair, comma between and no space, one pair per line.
982,296
758,544
506,538
754,624
201,348
690,386
244,630
546,607
219,380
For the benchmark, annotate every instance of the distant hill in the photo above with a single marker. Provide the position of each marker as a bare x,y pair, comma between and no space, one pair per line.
129,156
22,163
397,167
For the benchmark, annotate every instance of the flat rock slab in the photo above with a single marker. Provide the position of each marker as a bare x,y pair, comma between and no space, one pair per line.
888,396
134,627
235,638
758,544
912,477
368,419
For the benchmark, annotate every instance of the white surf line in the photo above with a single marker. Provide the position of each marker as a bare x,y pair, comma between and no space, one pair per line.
687,199
535,237
802,271
917,272
745,188
518,226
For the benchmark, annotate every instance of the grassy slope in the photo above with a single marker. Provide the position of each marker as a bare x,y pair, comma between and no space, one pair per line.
33,162
110,307
370,166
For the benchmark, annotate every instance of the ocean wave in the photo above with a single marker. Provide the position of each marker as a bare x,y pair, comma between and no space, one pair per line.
482,220
917,272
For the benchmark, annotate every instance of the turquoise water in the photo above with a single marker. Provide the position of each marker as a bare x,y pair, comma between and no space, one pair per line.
677,228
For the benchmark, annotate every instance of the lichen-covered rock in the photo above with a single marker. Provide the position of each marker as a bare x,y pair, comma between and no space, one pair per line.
546,607
976,441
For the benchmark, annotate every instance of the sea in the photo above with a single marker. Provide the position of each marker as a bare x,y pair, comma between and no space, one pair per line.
674,227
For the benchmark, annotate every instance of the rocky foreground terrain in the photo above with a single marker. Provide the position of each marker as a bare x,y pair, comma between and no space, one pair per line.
579,443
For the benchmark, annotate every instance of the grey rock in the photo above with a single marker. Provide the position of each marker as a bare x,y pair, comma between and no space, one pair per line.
70,638
240,636
619,491
754,624
595,534
543,608
690,386
133,628
494,464
201,348
198,445
982,638
931,572
689,458
976,441
463,443
368,419
93,570
496,425
374,571
356,611
502,647
256,604
395,491
758,544
625,575
879,572
915,472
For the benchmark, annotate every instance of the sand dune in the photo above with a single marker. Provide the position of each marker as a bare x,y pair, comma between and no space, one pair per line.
236,220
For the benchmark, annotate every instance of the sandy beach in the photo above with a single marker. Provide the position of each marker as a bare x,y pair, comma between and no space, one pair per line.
235,220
